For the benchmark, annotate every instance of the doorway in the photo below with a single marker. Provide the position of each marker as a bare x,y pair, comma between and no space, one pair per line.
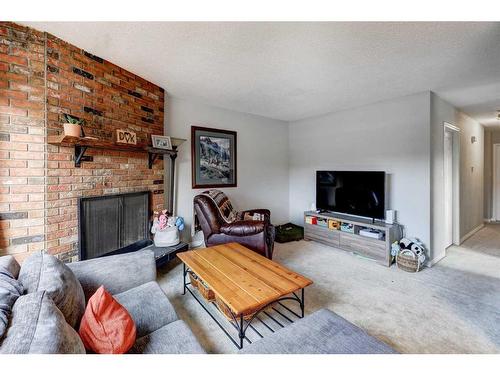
452,184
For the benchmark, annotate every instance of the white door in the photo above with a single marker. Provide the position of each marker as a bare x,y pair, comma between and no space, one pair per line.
496,182
448,186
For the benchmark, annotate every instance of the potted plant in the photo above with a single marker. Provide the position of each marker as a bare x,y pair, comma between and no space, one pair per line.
72,126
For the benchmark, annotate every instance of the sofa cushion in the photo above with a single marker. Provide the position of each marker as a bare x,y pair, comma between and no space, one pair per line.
10,290
149,307
322,332
9,263
106,327
174,338
42,271
37,326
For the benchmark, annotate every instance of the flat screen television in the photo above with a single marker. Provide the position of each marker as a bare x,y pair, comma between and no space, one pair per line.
351,192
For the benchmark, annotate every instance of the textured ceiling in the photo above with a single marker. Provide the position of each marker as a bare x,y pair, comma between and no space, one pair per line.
291,71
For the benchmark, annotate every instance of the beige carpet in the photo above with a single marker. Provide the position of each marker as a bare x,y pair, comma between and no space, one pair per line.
453,307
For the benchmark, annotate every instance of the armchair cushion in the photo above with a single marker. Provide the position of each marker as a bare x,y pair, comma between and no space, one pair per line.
243,228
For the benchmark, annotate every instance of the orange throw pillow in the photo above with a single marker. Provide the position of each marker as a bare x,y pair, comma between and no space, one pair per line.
106,327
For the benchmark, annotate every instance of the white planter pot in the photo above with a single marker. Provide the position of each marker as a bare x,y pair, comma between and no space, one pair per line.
167,237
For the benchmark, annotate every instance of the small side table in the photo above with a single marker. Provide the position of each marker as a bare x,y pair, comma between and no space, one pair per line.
163,255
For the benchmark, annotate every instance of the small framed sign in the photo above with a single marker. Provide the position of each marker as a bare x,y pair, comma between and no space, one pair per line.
126,137
161,141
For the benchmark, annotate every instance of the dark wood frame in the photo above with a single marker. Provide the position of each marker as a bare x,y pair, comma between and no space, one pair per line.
193,155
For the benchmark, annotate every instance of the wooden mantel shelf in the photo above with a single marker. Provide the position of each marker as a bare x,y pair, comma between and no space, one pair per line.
81,145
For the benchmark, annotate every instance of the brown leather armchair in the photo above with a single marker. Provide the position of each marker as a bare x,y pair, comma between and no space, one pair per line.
255,234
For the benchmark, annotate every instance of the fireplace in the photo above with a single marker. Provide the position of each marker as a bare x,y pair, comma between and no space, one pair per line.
113,224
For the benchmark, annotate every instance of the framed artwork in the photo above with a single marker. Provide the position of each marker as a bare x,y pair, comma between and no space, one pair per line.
213,157
161,141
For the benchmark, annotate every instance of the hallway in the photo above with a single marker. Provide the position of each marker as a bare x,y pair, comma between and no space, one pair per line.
486,242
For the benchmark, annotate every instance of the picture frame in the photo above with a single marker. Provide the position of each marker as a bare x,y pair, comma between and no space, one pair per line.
161,141
213,158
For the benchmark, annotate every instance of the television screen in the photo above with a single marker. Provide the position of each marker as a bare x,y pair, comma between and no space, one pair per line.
352,193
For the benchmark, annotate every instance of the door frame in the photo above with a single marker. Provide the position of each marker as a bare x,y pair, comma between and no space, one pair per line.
456,179
494,208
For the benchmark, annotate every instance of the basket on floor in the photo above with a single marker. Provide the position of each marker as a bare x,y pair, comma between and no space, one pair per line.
204,290
408,261
224,309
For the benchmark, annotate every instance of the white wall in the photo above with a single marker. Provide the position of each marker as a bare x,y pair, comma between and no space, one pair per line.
391,136
471,172
262,158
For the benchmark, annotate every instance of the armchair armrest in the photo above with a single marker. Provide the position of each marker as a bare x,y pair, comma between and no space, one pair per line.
117,273
262,211
243,228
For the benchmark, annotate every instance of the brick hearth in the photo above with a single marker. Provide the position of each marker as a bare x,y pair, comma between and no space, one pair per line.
41,79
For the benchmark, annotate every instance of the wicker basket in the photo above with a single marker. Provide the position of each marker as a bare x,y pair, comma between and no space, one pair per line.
408,261
204,290
224,309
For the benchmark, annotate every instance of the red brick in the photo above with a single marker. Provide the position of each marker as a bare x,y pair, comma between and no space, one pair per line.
26,104
59,188
27,138
28,172
13,94
13,59
13,146
13,111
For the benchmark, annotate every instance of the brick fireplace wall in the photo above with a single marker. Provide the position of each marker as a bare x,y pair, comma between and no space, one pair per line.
42,78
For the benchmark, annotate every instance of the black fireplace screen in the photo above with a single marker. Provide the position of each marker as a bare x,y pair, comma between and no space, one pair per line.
113,224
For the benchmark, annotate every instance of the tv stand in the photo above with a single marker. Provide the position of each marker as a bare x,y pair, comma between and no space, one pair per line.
376,249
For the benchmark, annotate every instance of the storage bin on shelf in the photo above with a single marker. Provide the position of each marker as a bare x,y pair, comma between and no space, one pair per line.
204,289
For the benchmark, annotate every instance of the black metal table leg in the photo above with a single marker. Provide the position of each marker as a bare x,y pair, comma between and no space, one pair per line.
242,332
184,278
302,303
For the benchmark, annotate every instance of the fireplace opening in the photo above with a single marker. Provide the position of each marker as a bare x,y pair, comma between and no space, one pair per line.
113,224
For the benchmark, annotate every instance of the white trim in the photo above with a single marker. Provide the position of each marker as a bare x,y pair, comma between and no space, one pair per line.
451,127
472,232
494,213
456,181
432,262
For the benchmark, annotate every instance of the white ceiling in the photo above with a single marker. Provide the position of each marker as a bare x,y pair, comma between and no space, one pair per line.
290,71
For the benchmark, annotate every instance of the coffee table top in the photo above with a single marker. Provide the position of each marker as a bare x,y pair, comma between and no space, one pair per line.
244,280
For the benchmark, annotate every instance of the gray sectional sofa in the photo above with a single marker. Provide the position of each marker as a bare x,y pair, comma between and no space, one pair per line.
322,332
45,320
48,298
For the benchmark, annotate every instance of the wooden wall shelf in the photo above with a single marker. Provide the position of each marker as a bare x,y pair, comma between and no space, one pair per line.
81,145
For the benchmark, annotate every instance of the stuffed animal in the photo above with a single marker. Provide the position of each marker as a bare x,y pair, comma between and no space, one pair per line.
415,246
179,223
163,222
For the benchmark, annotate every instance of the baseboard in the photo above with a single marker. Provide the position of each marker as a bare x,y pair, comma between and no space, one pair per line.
472,232
432,262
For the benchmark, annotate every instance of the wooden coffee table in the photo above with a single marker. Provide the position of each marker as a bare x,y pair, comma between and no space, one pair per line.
246,282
